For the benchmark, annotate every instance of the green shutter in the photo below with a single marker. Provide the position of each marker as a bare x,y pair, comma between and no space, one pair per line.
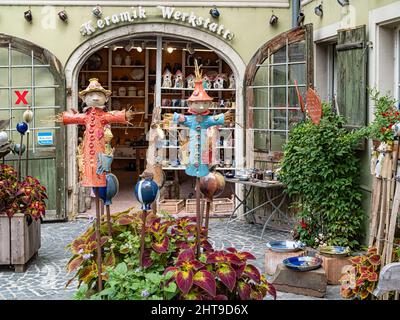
352,58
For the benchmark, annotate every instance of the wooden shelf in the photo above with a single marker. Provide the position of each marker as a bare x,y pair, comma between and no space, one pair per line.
191,89
128,97
129,81
204,67
92,71
130,66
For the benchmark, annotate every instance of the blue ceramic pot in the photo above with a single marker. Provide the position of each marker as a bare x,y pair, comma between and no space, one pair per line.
110,190
146,191
22,127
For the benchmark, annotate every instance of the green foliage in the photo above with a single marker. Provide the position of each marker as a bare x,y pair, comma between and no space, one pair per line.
170,269
321,169
385,116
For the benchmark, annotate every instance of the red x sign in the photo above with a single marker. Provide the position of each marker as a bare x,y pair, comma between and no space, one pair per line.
21,97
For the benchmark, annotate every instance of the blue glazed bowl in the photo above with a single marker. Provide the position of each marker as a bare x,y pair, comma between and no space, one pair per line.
303,263
285,246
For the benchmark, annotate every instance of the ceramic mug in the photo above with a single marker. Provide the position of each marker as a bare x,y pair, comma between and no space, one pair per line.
165,102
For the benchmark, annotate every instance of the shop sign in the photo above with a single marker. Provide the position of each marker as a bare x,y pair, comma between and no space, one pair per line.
167,13
45,138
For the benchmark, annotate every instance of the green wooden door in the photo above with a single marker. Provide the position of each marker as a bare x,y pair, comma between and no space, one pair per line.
25,67
352,59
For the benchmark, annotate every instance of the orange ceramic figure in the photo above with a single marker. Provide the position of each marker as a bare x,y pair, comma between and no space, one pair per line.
94,118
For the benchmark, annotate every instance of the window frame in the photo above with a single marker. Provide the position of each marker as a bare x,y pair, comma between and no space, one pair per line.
295,35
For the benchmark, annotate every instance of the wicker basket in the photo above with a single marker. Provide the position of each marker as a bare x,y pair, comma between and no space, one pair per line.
171,206
191,205
222,205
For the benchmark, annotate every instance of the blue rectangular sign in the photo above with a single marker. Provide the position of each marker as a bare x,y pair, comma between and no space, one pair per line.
45,138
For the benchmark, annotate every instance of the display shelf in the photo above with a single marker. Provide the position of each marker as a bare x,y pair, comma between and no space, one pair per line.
127,127
130,66
129,81
93,71
183,168
185,108
204,67
191,89
126,97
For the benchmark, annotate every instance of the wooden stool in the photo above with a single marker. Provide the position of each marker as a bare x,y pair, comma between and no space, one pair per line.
333,267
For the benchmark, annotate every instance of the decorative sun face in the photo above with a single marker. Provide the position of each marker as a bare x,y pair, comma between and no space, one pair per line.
95,99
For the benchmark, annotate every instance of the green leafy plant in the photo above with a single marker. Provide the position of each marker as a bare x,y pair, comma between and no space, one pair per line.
170,268
321,170
385,116
361,278
27,196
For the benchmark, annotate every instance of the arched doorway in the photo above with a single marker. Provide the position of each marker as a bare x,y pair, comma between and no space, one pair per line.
81,54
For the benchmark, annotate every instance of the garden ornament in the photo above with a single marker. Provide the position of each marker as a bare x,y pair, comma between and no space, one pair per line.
95,161
198,122
190,81
22,128
178,78
219,81
28,117
106,194
211,185
232,83
146,192
6,146
207,82
167,79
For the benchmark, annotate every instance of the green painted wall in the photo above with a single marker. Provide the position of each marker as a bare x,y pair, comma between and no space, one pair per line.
250,25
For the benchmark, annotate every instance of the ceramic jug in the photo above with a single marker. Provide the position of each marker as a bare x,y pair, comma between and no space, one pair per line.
122,91
118,60
128,60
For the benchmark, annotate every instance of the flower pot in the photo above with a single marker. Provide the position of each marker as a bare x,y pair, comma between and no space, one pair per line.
19,240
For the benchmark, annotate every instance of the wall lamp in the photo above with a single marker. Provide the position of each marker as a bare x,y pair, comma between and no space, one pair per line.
63,16
214,13
273,20
300,18
318,11
343,2
28,16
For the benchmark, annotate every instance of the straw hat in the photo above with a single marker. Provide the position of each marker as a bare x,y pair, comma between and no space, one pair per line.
94,86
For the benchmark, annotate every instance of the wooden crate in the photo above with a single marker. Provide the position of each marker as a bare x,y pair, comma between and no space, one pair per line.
171,205
222,205
18,241
191,205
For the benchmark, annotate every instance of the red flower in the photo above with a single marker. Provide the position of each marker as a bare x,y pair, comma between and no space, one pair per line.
303,224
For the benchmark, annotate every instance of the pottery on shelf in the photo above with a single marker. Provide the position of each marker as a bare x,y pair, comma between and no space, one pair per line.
118,60
128,60
122,91
132,91
137,74
141,93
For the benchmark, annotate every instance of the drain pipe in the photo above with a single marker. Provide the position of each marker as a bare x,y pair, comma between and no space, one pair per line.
295,12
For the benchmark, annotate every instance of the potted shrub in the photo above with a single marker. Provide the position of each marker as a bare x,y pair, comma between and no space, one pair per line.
22,204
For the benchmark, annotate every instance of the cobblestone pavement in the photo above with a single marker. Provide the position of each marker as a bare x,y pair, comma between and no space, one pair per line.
46,275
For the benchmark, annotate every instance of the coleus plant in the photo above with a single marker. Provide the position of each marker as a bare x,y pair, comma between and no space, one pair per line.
360,279
27,196
219,275
169,248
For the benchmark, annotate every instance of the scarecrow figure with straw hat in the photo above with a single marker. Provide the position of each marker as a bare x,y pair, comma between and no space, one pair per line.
198,122
95,119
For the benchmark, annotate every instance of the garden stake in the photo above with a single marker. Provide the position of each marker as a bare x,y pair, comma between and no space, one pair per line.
208,204
142,236
109,220
27,153
198,217
19,157
375,210
98,239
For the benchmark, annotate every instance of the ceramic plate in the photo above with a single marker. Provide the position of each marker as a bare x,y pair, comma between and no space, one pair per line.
302,263
334,251
285,246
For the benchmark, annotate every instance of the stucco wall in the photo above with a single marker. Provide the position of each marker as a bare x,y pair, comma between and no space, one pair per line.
250,25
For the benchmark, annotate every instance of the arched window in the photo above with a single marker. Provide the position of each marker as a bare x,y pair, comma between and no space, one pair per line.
30,75
272,104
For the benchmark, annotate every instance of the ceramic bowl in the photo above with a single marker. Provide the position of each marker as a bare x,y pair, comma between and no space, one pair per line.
303,263
285,246
335,251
